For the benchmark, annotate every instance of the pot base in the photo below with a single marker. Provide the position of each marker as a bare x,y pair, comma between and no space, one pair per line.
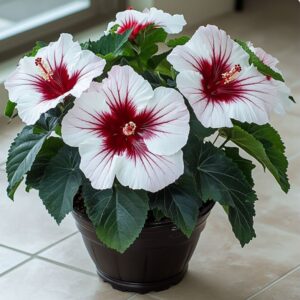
143,287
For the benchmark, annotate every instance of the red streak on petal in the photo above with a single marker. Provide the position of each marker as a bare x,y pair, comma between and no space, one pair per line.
59,83
132,24
110,126
215,88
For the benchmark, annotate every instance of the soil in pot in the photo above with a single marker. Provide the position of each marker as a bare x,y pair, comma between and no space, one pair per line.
157,260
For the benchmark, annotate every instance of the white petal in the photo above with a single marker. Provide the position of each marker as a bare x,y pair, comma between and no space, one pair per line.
89,66
170,23
283,93
21,81
30,108
124,84
80,123
98,165
150,172
171,122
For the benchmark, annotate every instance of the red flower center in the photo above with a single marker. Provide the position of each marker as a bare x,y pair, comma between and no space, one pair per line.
124,129
53,82
220,82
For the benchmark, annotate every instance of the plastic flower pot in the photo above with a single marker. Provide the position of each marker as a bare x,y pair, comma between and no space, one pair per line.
158,259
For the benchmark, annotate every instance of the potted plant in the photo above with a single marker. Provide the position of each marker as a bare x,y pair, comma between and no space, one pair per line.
140,144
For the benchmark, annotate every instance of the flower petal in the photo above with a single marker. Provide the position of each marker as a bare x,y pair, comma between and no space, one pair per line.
170,23
124,84
149,171
98,165
169,124
81,122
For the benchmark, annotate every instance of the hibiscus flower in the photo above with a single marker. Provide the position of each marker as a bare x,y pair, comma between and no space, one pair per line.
137,21
283,91
58,70
127,130
216,78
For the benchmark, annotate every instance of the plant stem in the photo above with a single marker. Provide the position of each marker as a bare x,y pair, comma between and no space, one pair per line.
216,138
224,143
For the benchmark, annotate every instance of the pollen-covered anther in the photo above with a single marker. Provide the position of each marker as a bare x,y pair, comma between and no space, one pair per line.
232,74
129,128
46,71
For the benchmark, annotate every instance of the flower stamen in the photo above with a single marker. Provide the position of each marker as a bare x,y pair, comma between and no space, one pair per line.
231,75
44,68
129,128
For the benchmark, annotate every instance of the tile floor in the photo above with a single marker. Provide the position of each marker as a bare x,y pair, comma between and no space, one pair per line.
39,260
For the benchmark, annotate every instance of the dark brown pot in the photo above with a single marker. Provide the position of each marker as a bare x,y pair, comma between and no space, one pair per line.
157,260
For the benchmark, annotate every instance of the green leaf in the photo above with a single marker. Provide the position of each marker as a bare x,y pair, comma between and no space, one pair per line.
118,214
111,44
221,180
36,48
9,109
264,144
148,39
180,203
178,41
263,68
61,182
49,149
158,59
21,156
245,165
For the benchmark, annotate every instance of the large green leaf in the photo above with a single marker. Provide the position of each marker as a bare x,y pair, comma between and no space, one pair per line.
49,149
263,68
245,165
111,44
179,202
221,180
118,214
61,182
264,144
21,156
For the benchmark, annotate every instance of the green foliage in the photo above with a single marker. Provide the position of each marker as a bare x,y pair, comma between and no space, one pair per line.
36,48
179,202
264,144
108,46
221,180
147,41
178,41
9,109
60,182
118,214
245,165
49,149
263,68
21,156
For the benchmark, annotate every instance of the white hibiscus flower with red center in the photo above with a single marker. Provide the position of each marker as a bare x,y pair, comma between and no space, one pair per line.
58,70
127,130
216,78
137,21
283,91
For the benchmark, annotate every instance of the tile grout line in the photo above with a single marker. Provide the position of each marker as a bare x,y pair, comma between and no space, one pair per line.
66,266
34,255
272,283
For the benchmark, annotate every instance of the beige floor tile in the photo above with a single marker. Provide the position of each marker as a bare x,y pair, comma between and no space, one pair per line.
25,223
38,280
220,269
143,297
71,252
287,288
10,258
